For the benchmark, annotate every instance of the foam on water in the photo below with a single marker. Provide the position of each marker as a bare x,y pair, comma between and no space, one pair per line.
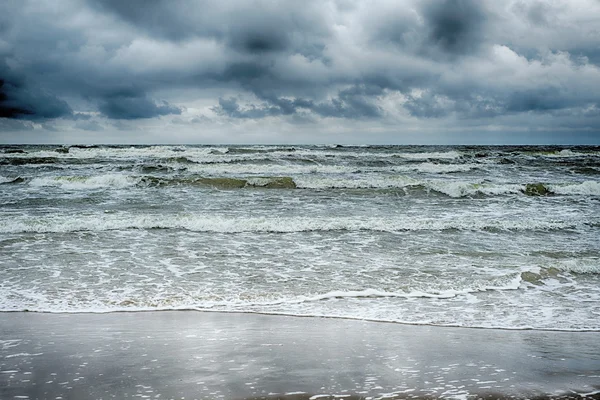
589,188
117,181
590,265
222,224
329,177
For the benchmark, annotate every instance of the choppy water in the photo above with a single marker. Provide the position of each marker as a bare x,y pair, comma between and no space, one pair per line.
462,236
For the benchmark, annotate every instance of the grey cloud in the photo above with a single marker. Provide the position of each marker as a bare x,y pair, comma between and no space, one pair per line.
231,108
7,125
50,127
135,107
157,17
475,104
543,99
81,117
260,40
426,106
20,99
256,27
296,61
353,103
93,126
455,26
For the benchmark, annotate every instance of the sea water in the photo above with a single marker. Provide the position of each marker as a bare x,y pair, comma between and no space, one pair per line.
490,237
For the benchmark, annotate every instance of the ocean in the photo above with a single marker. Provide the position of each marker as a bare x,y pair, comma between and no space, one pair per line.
486,237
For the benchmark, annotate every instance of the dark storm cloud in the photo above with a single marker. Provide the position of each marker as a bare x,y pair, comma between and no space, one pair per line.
353,103
157,17
20,99
474,105
543,99
455,26
135,107
434,28
254,27
466,62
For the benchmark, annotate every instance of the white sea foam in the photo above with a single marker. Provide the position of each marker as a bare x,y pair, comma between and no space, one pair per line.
566,153
213,223
463,189
433,168
590,188
356,182
87,182
221,153
242,170
512,283
580,265
4,179
446,155
317,168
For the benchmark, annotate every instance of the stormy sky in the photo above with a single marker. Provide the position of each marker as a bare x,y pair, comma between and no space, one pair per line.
326,71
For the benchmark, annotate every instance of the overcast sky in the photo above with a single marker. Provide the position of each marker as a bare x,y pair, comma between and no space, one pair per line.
338,71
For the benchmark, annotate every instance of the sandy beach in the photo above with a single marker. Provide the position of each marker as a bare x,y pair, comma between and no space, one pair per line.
199,355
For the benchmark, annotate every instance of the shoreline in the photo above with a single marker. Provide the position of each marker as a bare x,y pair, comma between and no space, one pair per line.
215,355
235,312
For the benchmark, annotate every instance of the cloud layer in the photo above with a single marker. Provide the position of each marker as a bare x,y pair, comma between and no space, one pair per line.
354,71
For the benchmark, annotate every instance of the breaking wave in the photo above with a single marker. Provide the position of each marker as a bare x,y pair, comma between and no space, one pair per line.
222,224
451,188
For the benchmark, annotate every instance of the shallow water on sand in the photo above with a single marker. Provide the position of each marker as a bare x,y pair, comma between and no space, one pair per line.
200,355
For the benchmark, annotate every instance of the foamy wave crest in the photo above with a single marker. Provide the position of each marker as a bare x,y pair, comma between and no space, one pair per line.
87,182
222,224
579,266
589,188
567,153
274,169
463,189
433,168
356,182
446,155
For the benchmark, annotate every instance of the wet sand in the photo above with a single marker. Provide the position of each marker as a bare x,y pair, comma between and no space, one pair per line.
198,355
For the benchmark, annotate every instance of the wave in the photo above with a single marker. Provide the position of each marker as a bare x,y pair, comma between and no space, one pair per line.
587,170
313,167
591,188
206,154
258,149
9,181
578,266
117,181
567,153
504,283
121,301
315,181
29,160
446,155
222,224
